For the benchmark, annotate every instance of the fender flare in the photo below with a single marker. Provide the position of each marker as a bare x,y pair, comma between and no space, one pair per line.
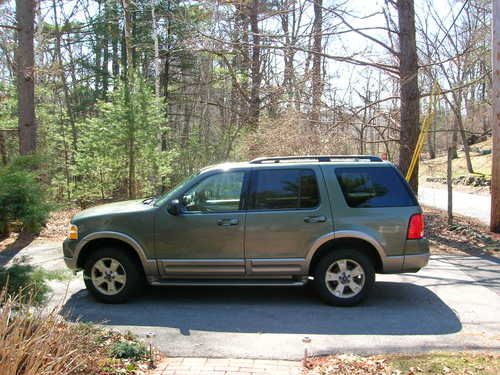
344,234
148,264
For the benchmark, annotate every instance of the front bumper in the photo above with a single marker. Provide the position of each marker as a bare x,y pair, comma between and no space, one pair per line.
69,254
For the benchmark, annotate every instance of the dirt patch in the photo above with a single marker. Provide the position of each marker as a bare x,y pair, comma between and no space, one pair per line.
465,236
56,228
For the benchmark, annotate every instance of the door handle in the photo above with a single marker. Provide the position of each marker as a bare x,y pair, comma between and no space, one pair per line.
227,222
315,219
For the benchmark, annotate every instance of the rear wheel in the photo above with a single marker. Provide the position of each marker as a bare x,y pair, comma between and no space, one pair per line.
344,277
112,276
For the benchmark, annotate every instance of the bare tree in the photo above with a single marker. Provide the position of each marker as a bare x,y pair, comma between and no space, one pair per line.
317,79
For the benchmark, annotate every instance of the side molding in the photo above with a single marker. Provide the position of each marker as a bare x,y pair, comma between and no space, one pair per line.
345,234
149,265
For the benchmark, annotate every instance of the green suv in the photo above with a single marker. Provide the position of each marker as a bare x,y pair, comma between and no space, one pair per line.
331,220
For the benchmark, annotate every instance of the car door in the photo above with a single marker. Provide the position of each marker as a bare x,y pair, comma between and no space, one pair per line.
206,238
288,211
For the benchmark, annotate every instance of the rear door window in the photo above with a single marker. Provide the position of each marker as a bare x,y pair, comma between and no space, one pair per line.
374,187
283,189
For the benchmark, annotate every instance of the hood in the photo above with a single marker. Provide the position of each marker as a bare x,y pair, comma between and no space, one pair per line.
116,208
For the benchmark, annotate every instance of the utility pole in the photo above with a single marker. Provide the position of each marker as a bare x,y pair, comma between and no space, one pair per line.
495,120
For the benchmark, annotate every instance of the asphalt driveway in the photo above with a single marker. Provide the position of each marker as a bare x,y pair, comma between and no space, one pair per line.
453,304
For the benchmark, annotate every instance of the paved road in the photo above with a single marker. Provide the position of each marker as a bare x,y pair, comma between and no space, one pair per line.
473,205
452,304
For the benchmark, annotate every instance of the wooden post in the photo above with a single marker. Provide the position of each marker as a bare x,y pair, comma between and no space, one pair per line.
495,123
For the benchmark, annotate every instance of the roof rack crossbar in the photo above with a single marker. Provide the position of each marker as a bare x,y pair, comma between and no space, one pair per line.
320,158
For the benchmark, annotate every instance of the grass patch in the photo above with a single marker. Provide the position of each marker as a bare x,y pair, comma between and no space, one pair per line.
405,364
29,282
129,349
446,363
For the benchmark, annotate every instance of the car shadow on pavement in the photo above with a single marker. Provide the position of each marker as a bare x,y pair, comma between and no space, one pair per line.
394,308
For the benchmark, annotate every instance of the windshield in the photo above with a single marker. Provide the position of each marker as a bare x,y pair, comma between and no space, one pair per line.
174,192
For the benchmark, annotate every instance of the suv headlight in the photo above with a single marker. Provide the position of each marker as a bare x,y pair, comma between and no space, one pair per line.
73,232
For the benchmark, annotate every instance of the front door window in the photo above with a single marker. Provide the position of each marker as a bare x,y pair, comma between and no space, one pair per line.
217,193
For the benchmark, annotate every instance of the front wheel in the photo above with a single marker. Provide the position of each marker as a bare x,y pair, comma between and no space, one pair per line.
344,277
111,275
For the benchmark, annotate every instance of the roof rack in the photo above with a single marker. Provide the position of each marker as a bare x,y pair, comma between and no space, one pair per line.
319,158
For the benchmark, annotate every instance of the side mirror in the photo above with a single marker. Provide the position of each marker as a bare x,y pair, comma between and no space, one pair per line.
174,207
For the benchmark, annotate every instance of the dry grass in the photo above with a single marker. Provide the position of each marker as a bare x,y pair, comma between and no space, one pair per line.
437,167
37,342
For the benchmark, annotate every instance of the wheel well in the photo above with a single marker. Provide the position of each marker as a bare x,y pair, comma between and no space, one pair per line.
347,243
98,243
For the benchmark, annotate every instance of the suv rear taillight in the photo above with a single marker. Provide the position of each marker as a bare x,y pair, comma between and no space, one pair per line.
416,227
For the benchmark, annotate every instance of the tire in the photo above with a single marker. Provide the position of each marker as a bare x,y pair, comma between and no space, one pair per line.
351,276
112,276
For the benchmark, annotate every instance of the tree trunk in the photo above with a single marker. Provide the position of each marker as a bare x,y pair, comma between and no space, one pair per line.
430,143
105,52
115,37
3,149
495,121
449,183
408,70
288,53
129,78
465,143
454,141
255,66
156,50
317,81
62,77
25,60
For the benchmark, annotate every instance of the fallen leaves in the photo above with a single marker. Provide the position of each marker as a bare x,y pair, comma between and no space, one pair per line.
464,236
349,364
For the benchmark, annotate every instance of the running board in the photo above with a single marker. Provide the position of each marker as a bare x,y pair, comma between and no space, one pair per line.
201,282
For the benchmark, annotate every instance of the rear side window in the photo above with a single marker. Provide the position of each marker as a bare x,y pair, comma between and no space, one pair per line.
280,189
374,187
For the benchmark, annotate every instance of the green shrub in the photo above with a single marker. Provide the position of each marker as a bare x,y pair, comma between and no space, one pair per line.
128,349
28,282
21,196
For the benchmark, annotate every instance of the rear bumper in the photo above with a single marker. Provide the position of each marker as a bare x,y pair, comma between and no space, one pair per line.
414,262
416,257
